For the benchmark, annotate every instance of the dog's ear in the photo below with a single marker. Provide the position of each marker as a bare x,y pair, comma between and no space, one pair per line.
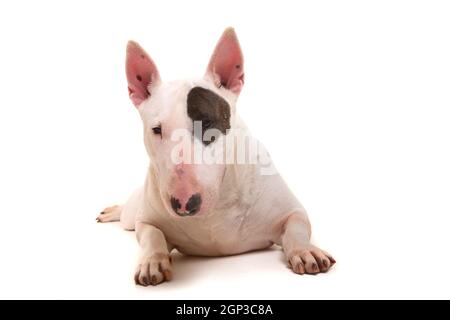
226,66
141,73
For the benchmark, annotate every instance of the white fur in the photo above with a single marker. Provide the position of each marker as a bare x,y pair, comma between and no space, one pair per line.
243,209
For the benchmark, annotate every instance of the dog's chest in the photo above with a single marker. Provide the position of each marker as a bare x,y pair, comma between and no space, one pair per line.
226,233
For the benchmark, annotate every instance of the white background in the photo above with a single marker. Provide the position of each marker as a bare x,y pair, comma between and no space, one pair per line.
350,97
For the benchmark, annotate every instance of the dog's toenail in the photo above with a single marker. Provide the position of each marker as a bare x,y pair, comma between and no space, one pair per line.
153,280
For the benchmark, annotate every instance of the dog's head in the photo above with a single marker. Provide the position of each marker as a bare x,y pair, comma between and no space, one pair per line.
181,117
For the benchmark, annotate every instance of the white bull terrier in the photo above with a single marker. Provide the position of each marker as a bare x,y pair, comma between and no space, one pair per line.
224,205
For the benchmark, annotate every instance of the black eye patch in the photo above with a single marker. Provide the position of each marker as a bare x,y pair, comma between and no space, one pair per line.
210,108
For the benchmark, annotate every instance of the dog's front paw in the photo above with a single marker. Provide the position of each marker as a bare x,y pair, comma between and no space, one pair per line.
310,259
154,269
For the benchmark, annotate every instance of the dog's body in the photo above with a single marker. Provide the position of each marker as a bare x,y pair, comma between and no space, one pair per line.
209,209
249,214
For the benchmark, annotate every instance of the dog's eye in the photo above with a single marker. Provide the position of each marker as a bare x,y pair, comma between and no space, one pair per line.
157,130
207,124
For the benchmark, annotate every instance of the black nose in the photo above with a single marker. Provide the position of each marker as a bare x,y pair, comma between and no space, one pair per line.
192,206
176,205
194,203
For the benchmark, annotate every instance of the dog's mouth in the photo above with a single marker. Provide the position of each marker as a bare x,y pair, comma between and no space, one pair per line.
186,213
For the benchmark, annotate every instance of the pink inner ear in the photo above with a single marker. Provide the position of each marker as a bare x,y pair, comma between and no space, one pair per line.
141,73
227,62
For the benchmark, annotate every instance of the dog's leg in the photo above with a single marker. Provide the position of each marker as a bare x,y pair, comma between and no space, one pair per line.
301,255
110,214
126,213
155,265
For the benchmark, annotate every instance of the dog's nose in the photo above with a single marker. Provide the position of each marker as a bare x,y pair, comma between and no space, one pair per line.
192,206
176,205
194,203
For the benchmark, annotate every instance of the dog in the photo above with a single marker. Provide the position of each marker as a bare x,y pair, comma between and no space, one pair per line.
206,208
